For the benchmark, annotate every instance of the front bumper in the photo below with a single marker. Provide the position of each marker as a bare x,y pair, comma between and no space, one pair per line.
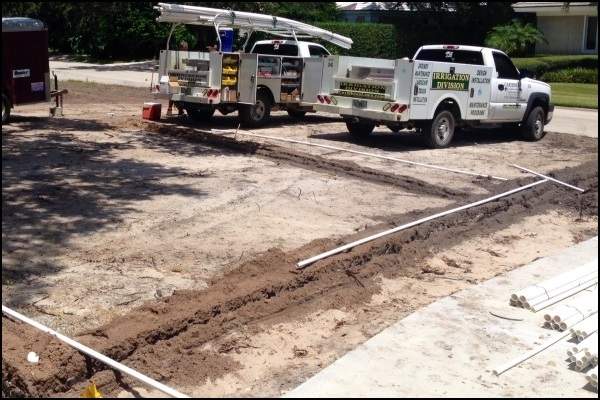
550,113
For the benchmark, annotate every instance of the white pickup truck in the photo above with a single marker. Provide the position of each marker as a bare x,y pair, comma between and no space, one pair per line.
441,88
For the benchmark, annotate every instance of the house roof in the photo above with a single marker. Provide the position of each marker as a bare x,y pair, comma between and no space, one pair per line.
556,8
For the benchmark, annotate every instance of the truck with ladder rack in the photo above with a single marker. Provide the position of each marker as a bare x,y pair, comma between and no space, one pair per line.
441,88
274,74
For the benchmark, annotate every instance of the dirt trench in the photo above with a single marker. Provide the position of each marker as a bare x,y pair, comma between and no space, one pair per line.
164,338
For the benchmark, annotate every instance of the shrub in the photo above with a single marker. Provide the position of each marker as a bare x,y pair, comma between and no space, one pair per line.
370,40
572,75
514,38
542,64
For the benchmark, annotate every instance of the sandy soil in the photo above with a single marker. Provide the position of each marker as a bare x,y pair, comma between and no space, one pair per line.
103,214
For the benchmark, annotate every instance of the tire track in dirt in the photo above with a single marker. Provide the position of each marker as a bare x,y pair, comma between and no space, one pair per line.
308,161
163,338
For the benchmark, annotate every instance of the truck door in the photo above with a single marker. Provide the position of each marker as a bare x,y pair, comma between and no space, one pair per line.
507,103
247,78
311,79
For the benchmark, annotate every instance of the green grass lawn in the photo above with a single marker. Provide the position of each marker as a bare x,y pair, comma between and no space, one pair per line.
583,95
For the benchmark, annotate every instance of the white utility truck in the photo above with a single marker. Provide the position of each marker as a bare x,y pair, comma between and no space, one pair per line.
441,88
275,74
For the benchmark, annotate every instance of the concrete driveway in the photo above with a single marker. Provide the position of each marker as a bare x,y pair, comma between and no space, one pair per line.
577,121
136,74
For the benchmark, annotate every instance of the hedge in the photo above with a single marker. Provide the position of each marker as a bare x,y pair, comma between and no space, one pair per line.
370,40
543,64
572,75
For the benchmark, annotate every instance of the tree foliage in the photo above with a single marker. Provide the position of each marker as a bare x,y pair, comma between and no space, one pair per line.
119,30
514,38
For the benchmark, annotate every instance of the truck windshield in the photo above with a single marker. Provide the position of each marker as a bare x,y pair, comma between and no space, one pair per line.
277,49
455,56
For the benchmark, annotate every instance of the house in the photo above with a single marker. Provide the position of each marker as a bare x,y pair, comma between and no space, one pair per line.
569,27
366,11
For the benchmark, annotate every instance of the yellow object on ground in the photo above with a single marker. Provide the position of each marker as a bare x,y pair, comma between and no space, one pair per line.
91,392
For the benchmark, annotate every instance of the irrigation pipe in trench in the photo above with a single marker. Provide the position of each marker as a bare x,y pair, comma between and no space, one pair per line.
308,261
549,178
94,354
324,146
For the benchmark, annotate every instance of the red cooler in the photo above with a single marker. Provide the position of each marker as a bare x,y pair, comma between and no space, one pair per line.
151,111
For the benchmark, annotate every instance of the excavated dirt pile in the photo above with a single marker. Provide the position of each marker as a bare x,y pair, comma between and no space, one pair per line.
164,338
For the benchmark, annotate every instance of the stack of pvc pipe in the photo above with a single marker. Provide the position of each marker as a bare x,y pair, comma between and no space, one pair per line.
553,290
592,377
585,354
564,316
585,329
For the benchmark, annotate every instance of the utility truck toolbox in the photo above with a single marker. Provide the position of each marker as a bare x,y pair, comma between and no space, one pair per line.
279,74
442,87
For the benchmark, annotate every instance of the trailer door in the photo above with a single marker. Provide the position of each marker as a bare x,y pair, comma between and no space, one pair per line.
312,73
247,78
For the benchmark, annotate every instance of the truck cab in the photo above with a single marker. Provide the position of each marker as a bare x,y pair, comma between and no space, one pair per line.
513,93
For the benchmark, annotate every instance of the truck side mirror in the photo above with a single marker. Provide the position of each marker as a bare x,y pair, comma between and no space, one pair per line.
525,73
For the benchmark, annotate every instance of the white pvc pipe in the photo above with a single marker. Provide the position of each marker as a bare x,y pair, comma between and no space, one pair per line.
564,295
549,178
94,354
545,290
308,261
524,357
324,146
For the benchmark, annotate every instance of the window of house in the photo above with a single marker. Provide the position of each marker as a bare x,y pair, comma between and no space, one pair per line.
591,33
505,68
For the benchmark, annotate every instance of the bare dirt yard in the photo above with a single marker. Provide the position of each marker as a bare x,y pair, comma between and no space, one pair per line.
171,246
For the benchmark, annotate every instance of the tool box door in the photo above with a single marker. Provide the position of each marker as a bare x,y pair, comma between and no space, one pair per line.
248,78
480,93
311,79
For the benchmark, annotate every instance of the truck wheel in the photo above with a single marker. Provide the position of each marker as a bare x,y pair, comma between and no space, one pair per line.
533,127
258,114
5,109
439,132
360,129
297,114
198,114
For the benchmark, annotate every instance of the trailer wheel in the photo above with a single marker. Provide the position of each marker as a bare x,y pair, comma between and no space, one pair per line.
5,109
533,127
360,129
439,132
297,114
258,114
200,114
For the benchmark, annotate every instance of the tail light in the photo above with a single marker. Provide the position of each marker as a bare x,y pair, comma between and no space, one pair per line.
333,101
327,99
320,98
395,107
209,93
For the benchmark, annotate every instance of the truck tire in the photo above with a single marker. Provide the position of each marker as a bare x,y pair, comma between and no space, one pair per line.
297,114
533,127
200,114
440,131
258,114
5,109
360,129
